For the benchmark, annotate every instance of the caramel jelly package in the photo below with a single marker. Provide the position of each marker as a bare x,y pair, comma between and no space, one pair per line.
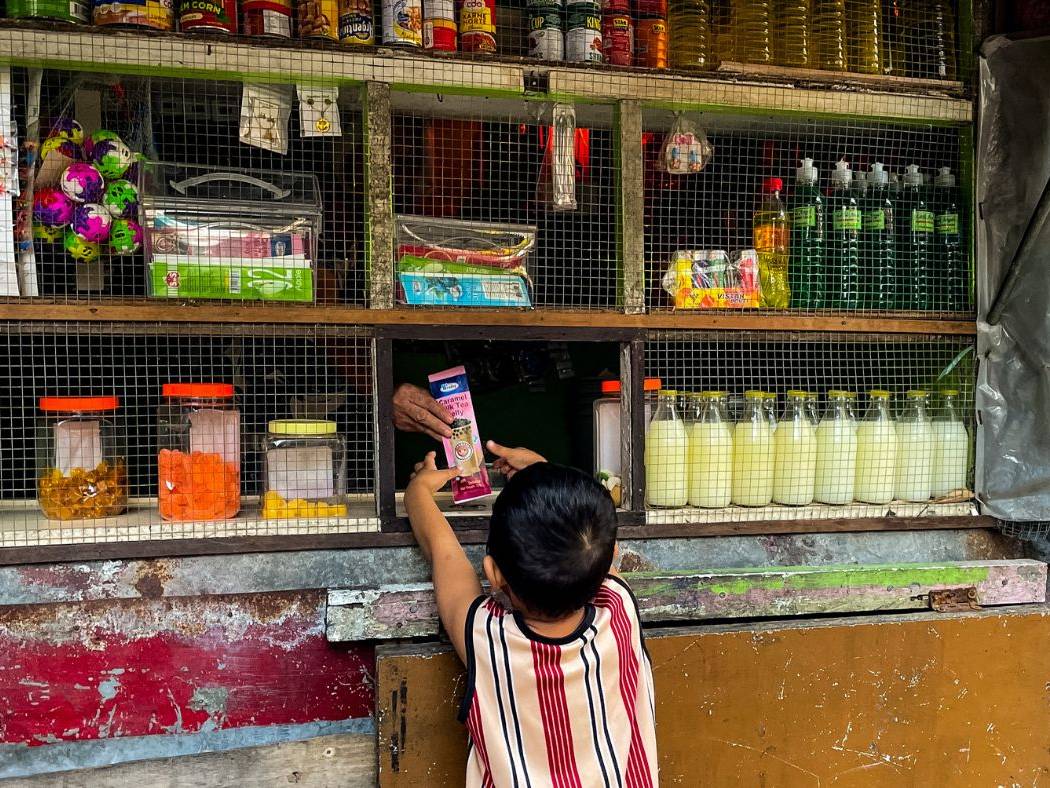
463,449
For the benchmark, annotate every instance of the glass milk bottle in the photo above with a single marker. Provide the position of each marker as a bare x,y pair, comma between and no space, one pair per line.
914,450
951,448
710,452
876,451
836,451
812,408
666,455
795,454
753,454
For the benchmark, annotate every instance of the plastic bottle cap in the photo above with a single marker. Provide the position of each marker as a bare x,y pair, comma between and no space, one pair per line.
912,176
949,393
78,404
916,394
198,390
754,395
794,394
668,393
879,394
945,177
301,427
837,394
613,386
712,394
878,174
842,173
859,176
770,185
807,173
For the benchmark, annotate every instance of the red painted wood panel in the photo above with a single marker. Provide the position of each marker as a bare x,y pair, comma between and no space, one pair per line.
133,667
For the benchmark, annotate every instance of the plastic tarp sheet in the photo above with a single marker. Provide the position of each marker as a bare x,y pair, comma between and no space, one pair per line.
1013,387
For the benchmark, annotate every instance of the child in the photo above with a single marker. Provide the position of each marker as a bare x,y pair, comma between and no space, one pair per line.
559,687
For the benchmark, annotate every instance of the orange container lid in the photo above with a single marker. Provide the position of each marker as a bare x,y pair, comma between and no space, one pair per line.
613,386
198,390
75,404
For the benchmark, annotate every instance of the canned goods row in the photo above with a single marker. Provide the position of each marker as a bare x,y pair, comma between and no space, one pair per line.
582,32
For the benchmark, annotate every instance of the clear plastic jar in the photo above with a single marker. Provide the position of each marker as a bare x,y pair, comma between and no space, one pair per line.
81,466
199,465
305,470
607,424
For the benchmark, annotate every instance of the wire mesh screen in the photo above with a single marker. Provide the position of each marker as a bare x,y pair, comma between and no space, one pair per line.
505,204
160,462
838,215
260,195
816,425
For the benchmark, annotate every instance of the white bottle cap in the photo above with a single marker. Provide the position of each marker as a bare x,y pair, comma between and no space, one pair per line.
945,177
878,174
807,173
912,176
842,174
858,176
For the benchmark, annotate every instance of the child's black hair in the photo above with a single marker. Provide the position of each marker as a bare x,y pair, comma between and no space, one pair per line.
552,534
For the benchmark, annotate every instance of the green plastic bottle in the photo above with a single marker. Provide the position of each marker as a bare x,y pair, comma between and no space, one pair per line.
878,243
806,267
915,242
842,255
954,290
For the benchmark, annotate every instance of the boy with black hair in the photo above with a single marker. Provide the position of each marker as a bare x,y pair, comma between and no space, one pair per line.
559,686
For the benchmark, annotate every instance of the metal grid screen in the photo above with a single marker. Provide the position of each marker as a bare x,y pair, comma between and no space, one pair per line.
309,375
814,425
828,238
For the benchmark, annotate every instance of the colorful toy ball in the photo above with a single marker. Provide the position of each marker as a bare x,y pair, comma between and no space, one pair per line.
68,129
92,222
112,158
49,235
121,199
52,208
82,183
79,249
67,148
125,236
99,136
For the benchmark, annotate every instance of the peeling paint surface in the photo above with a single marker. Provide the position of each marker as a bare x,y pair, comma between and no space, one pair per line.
136,667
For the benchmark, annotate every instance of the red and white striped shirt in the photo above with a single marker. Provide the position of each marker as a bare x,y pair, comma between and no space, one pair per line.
570,712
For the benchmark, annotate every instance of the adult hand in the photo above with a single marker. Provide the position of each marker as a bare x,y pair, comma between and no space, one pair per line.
510,461
416,411
427,476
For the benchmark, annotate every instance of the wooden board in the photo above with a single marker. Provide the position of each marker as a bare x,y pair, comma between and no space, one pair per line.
345,760
910,700
403,611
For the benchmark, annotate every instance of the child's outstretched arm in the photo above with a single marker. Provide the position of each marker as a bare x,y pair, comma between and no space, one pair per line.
455,581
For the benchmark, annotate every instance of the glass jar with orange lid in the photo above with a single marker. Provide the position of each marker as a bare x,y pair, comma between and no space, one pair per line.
81,467
199,464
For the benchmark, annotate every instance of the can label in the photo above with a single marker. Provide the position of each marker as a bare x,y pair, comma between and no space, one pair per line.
546,40
355,22
439,25
318,19
546,5
618,39
214,15
403,22
583,39
616,6
650,9
267,18
650,49
154,14
62,10
477,25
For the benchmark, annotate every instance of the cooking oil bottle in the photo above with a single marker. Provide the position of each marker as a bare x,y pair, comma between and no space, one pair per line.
689,34
829,29
792,45
864,33
752,20
770,228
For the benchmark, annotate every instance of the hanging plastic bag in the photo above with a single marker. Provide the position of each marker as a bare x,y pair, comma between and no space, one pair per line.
686,149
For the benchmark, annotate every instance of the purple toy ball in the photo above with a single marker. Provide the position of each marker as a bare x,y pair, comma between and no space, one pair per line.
82,183
67,148
96,138
125,236
92,222
68,129
52,208
112,158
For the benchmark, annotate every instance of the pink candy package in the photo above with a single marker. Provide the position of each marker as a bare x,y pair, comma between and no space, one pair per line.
463,449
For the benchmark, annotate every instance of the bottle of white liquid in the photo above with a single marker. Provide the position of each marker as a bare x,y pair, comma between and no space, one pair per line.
836,451
914,481
876,451
666,455
795,454
812,408
710,453
951,452
753,454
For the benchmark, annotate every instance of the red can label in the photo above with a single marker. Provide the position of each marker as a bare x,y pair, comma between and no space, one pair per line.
267,18
439,25
208,15
477,25
616,6
618,39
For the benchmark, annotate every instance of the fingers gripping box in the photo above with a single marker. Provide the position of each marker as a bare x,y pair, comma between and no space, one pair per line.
463,449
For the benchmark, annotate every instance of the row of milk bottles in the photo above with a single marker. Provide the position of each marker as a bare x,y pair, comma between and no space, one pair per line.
707,460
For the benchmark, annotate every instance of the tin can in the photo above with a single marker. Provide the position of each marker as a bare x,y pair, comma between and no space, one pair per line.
403,23
650,43
583,33
62,10
477,25
616,6
356,25
439,25
267,18
152,14
318,19
208,16
648,9
618,39
546,37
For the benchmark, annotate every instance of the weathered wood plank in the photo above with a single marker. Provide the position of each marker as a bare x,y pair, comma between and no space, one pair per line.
410,610
631,188
379,203
345,760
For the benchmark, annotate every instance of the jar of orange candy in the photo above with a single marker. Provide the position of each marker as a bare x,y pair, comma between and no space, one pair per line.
81,471
199,465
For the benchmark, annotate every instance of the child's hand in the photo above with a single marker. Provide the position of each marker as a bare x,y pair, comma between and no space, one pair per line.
427,476
510,461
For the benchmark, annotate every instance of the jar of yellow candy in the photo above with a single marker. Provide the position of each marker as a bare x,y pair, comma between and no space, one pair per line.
81,467
305,470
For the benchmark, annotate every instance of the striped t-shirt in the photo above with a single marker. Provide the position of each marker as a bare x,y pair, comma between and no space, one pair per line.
570,712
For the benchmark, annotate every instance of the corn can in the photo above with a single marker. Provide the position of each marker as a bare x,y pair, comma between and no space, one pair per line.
403,23
318,19
152,14
439,25
618,39
355,22
208,16
546,37
267,18
650,43
477,25
62,10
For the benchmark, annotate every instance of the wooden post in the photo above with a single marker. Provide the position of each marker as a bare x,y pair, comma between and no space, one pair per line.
379,214
632,423
383,391
631,172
